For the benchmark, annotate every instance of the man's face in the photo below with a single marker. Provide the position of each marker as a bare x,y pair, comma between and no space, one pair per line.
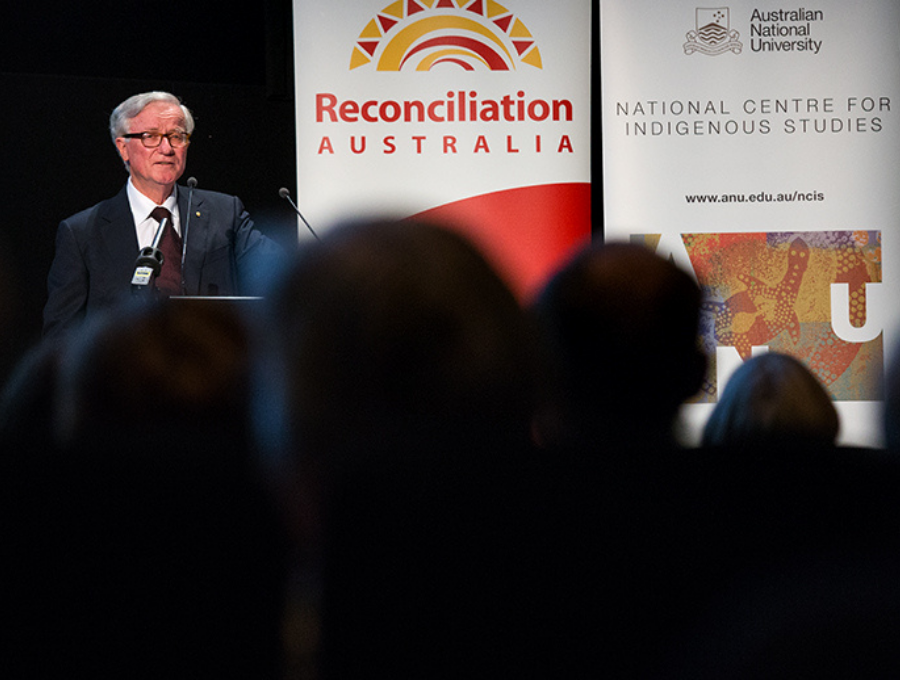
155,171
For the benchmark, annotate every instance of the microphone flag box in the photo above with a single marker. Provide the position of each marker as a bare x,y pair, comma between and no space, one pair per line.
142,276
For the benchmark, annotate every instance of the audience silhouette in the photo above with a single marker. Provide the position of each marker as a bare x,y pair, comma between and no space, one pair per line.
408,373
142,542
398,334
469,488
801,534
769,400
621,325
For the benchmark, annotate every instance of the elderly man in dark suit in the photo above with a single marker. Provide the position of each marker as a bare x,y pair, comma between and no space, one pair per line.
210,244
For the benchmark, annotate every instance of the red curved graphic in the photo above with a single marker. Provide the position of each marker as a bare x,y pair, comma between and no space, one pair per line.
526,232
459,62
494,60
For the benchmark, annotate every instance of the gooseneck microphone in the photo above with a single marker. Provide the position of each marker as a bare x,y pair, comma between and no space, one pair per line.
284,193
191,183
149,262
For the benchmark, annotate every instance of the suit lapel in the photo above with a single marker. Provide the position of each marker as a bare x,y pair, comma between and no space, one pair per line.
117,236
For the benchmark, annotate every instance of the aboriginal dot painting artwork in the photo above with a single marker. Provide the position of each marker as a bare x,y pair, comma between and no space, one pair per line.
777,290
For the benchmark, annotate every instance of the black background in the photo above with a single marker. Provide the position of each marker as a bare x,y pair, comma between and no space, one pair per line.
65,65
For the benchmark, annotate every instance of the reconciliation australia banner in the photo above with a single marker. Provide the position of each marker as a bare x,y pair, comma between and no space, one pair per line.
474,113
758,145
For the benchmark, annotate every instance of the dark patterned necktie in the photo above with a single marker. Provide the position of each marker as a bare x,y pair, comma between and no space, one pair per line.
169,280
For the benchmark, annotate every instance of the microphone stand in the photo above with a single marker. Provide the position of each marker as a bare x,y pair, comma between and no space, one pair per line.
284,193
192,182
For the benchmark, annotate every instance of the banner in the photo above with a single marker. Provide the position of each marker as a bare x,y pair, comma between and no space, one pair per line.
471,112
759,146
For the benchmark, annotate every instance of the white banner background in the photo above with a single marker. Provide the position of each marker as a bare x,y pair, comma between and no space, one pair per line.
845,157
403,176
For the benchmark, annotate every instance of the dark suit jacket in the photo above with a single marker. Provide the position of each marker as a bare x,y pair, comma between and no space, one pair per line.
96,251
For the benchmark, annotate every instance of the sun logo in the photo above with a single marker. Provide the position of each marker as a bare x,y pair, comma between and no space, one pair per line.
420,34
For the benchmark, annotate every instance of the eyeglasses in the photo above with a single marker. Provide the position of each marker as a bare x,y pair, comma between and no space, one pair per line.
151,140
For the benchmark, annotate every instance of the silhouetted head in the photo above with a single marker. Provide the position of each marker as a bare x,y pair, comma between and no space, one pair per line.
621,324
399,335
149,534
167,368
772,398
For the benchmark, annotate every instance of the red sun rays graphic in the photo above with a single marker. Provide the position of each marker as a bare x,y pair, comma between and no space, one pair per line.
421,34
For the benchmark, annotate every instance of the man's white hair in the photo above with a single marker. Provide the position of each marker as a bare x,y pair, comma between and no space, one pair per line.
120,119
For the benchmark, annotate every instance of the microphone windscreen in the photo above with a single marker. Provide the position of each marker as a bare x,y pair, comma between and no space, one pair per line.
192,182
283,192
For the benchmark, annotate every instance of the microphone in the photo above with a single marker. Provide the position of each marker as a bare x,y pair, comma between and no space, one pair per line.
191,183
149,261
284,193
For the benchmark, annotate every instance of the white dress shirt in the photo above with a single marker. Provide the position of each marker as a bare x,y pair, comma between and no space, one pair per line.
141,207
